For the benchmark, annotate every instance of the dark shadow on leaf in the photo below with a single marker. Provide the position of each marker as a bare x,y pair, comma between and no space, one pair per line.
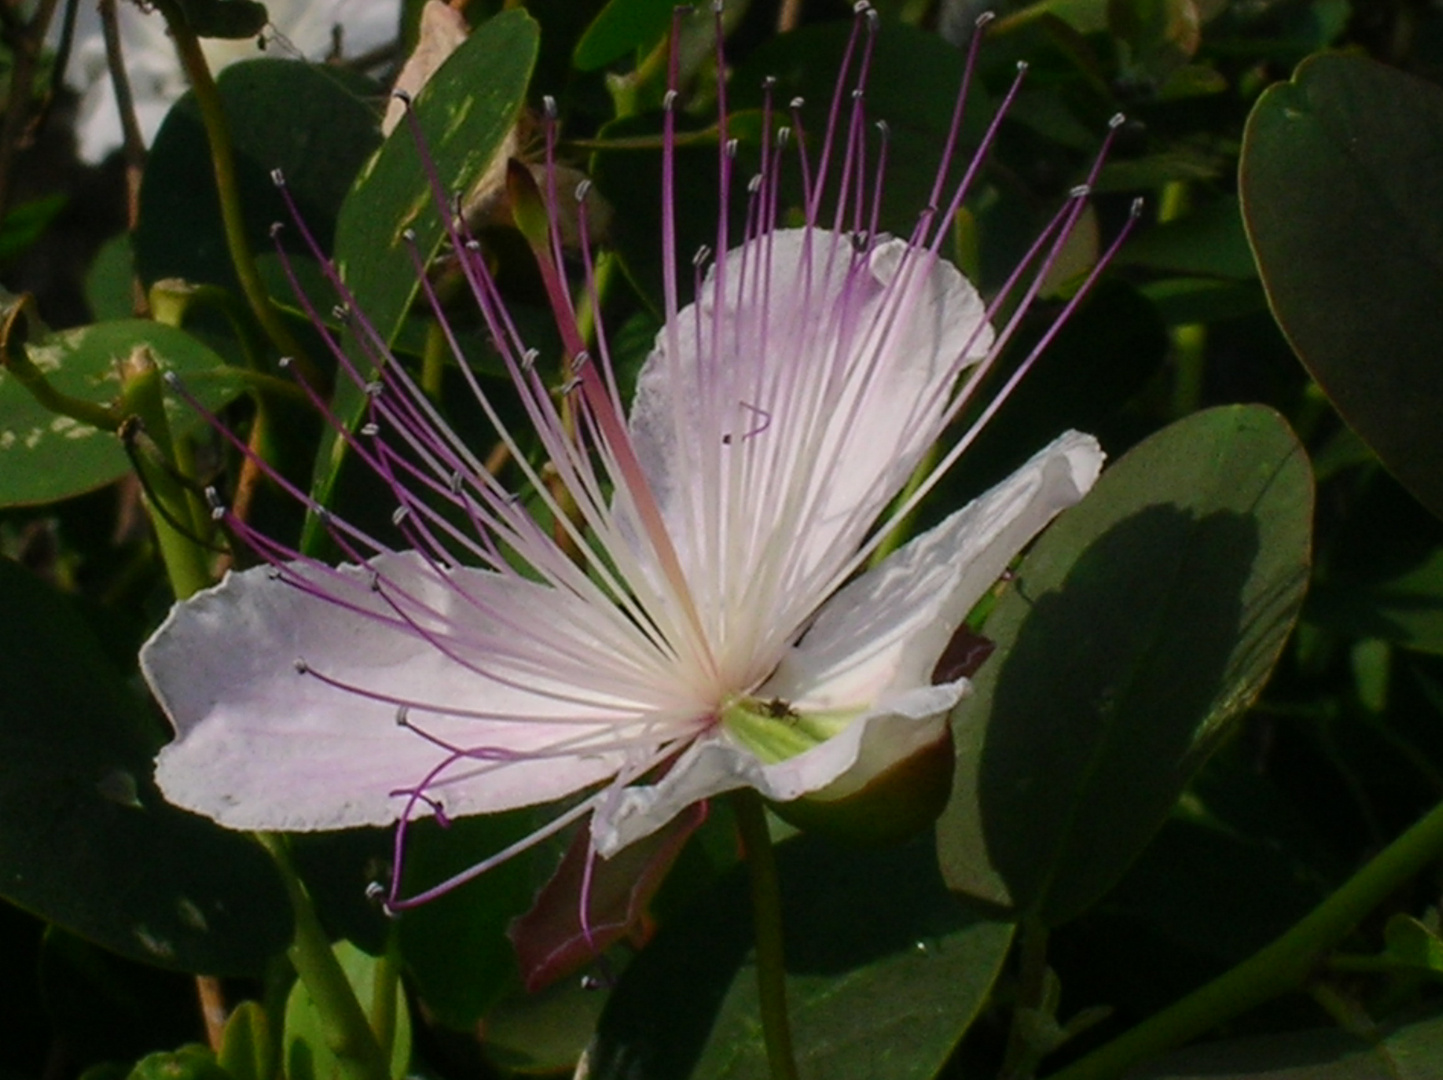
1105,701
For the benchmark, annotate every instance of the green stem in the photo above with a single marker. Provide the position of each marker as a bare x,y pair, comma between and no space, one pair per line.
348,1034
1023,1051
222,156
173,512
767,915
1284,965
383,993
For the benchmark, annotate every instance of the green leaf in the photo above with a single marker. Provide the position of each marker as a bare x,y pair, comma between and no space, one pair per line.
137,875
308,1055
1142,623
466,111
234,19
109,283
247,1048
1404,609
45,457
885,972
1209,242
1342,189
455,947
619,28
1411,1052
1413,945
26,223
314,122
190,1062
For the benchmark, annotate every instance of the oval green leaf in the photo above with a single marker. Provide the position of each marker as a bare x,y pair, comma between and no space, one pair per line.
1141,624
619,28
85,838
1342,189
885,972
314,122
465,113
44,457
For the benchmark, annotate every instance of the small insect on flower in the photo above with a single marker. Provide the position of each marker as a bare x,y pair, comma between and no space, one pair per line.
690,598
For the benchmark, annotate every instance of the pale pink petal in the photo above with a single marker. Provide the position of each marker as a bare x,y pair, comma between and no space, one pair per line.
872,650
885,631
716,764
779,415
261,745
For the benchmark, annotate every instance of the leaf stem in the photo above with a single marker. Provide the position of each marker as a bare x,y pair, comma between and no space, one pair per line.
222,156
767,917
348,1034
1023,1051
1284,965
173,514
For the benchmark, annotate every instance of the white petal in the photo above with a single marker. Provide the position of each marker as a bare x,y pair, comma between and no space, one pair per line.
873,648
884,632
797,400
261,746
836,768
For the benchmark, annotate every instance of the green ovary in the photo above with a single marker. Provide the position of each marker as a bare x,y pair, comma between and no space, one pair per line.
774,731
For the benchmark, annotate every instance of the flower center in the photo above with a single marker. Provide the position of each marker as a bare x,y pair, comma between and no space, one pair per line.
775,730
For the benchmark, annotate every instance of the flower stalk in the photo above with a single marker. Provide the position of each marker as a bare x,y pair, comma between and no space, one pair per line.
767,921
348,1032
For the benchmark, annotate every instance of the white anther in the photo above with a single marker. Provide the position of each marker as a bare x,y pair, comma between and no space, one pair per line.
278,178
754,184
1081,191
400,514
370,429
1118,119
703,253
528,359
797,102
668,100
548,106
